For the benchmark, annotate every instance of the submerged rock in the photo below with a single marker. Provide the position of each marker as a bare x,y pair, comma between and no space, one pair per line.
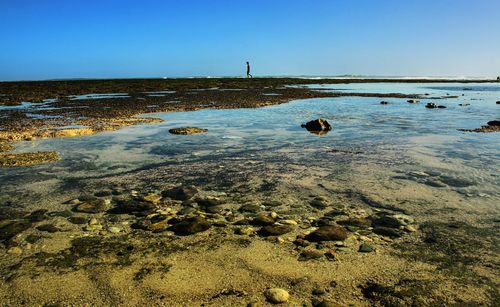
190,226
91,205
412,101
318,126
181,193
263,219
187,130
366,248
384,102
327,233
276,295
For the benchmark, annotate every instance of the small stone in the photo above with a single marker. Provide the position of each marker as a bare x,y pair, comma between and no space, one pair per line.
275,230
152,198
365,248
263,219
95,205
79,220
246,231
94,227
15,250
181,193
102,193
310,254
327,233
190,226
318,291
288,222
276,295
48,228
325,303
93,221
410,228
114,229
252,208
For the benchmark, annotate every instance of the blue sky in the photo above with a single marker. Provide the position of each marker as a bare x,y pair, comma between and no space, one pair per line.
43,39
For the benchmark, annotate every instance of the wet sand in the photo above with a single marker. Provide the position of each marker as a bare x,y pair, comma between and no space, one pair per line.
215,231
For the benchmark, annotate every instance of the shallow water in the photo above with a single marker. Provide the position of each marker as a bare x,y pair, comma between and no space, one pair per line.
400,135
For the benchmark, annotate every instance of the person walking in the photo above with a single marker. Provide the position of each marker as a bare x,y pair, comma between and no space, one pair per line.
248,71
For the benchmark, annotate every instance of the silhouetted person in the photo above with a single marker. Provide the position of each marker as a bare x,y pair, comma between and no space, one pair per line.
248,71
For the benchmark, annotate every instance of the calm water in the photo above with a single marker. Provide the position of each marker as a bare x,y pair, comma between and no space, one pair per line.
400,135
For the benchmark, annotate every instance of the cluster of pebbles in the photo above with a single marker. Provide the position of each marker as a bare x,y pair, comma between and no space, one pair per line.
185,210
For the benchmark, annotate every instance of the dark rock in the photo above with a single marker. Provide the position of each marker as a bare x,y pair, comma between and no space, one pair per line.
92,205
412,101
37,215
79,220
263,219
48,228
10,230
181,193
327,233
325,303
318,203
357,222
33,238
102,193
253,208
275,230
135,207
190,226
434,183
208,202
318,291
386,221
318,126
365,248
388,232
498,102
494,123
187,130
432,105
384,102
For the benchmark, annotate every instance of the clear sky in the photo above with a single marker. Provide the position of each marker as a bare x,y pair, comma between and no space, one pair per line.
43,39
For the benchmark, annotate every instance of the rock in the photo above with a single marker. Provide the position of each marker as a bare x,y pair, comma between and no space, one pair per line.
318,291
394,221
37,215
152,198
136,207
93,205
187,130
114,229
288,222
327,233
384,102
498,102
432,105
79,220
93,221
410,228
275,230
15,250
318,203
190,226
464,104
388,232
493,123
12,228
276,295
245,231
365,248
48,228
209,201
102,193
356,222
181,193
263,219
325,303
412,101
252,208
310,254
318,126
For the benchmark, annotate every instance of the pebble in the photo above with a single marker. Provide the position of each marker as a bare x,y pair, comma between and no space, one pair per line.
288,222
310,254
114,229
190,226
365,248
93,221
276,295
15,250
246,231
263,219
410,228
95,205
180,193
